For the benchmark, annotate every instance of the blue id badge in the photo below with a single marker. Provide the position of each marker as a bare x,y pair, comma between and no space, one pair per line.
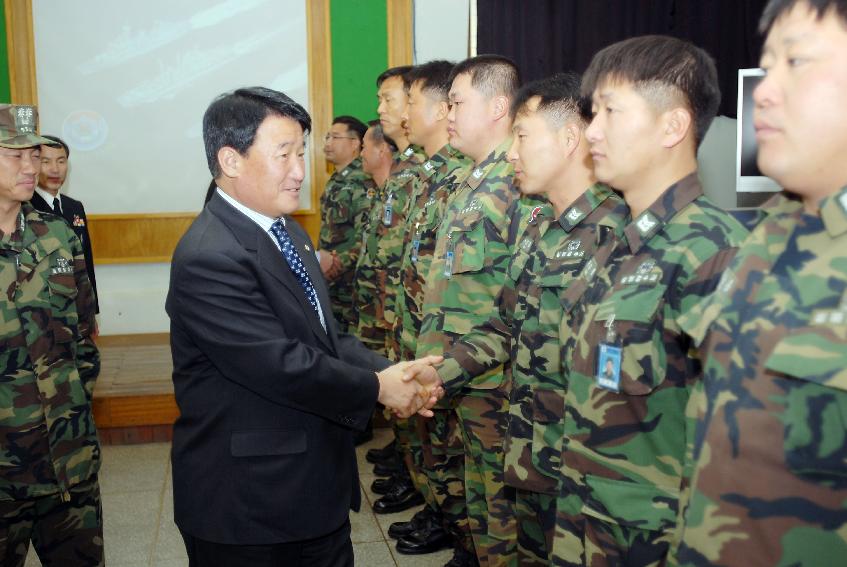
416,245
609,367
448,264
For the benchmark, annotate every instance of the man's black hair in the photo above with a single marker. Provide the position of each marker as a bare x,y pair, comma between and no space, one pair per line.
434,77
233,119
559,98
492,75
57,143
659,66
399,71
354,125
378,134
820,8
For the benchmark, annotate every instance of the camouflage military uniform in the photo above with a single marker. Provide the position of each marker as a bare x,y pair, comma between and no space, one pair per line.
526,330
379,258
467,272
436,180
345,204
625,437
50,455
770,482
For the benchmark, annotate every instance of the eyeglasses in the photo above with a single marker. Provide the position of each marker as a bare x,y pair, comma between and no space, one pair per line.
336,137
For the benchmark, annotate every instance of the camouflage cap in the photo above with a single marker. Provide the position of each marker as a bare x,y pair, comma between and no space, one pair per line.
18,126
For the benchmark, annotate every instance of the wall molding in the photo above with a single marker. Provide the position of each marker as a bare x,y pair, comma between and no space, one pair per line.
20,42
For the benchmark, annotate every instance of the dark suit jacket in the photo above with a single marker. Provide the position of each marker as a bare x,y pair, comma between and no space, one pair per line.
74,213
263,449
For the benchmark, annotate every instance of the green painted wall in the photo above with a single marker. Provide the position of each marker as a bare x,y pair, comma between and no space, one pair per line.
359,55
5,92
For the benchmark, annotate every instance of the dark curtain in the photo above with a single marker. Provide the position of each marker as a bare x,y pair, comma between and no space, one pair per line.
547,36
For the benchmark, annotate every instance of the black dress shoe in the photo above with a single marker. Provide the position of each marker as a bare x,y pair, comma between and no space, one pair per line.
426,540
389,468
379,455
423,517
402,497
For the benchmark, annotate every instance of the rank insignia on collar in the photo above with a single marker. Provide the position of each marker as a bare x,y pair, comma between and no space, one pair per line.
477,173
345,172
533,216
843,202
409,151
428,166
574,215
646,223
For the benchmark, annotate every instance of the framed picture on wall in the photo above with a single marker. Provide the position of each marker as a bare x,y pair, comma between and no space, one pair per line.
751,186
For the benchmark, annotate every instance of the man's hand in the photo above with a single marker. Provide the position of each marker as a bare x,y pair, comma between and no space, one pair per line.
407,396
325,261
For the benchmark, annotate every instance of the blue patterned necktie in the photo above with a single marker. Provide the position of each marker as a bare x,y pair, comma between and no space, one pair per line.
289,252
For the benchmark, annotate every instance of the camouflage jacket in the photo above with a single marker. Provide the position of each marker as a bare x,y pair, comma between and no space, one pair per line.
770,480
436,181
626,448
379,259
550,253
470,260
48,361
345,204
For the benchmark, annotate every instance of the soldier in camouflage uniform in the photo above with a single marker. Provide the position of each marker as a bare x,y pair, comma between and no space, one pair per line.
628,366
344,209
386,217
768,483
550,156
467,271
50,455
426,125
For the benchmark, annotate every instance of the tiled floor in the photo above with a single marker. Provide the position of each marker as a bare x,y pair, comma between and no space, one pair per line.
138,513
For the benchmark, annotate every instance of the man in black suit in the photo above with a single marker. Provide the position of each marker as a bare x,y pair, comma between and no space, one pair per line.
269,391
48,199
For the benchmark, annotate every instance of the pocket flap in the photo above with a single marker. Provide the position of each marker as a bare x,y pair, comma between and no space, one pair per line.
642,506
267,442
635,304
548,405
814,354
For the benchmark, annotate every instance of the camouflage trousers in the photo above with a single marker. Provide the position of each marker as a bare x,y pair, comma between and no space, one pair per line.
63,533
482,416
583,539
372,337
442,454
535,514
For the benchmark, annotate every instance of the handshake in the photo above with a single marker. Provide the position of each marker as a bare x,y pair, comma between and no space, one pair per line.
411,387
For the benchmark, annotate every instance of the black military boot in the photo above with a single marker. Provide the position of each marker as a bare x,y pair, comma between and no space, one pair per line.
428,539
390,466
462,558
422,518
402,497
386,485
379,455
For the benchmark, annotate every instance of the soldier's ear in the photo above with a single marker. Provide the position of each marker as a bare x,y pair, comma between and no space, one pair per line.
499,107
443,110
570,135
230,161
676,124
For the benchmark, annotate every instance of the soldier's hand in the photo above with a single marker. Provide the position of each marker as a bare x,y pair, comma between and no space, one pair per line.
423,372
325,261
336,268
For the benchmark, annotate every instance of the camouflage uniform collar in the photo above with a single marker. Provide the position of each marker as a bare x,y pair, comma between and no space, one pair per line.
16,240
584,205
481,171
351,167
834,213
438,159
409,154
650,222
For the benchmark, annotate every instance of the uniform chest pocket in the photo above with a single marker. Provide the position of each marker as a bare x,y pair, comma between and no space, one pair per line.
466,242
814,362
636,319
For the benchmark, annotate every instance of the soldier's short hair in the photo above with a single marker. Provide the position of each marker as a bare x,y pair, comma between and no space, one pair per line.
233,119
399,71
492,75
378,134
820,8
661,69
559,99
434,77
353,124
57,143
